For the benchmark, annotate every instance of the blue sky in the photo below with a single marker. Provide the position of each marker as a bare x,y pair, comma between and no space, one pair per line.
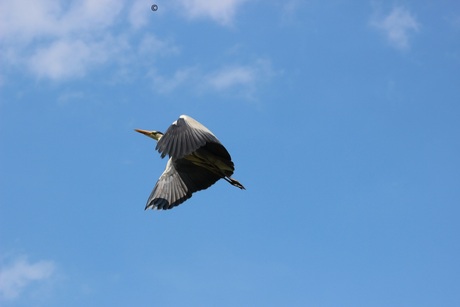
343,120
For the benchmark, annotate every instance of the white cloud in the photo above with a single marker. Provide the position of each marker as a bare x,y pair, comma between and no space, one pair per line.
222,11
67,58
397,27
61,40
241,80
17,276
152,45
231,76
237,78
139,14
25,21
182,76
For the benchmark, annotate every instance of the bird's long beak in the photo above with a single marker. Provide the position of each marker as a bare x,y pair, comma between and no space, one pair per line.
145,132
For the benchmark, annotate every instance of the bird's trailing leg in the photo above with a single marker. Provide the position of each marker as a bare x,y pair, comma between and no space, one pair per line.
235,183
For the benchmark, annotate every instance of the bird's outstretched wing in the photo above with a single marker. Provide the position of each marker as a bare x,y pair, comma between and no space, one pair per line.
180,179
183,137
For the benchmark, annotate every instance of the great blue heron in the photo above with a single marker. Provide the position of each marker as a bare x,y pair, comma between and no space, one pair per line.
196,161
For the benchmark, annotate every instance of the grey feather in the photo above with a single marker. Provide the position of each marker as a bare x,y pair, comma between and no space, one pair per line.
183,137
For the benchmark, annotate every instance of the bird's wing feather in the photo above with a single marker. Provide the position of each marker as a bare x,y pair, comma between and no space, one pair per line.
183,137
169,191
180,179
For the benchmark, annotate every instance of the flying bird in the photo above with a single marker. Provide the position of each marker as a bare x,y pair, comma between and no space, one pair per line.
197,160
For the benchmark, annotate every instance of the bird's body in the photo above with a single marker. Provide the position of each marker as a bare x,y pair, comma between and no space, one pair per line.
197,160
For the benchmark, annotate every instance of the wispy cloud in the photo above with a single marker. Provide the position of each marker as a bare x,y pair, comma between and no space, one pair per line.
222,11
238,78
231,76
26,21
248,75
20,274
138,14
61,40
397,26
63,58
165,84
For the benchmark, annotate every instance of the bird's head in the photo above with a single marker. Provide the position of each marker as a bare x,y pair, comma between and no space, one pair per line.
156,135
